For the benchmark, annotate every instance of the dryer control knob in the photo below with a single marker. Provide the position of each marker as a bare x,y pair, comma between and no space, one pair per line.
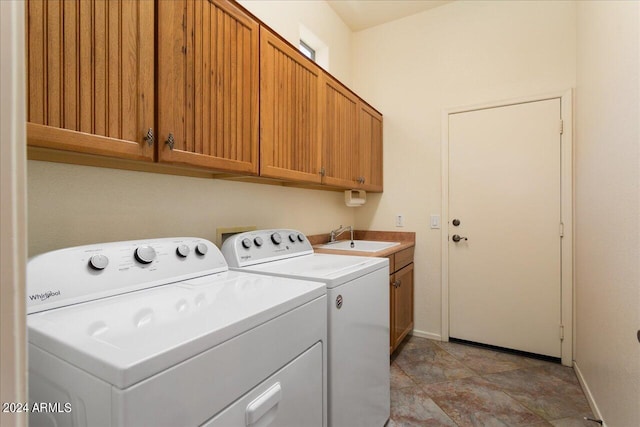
145,254
258,241
246,243
201,249
276,238
98,262
301,237
292,238
183,251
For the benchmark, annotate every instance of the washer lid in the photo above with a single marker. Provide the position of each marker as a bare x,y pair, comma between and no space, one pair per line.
127,338
334,270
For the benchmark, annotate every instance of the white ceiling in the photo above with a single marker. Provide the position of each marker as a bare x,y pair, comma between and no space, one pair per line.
361,14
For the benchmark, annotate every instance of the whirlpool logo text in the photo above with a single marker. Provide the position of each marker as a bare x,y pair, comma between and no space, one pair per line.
45,296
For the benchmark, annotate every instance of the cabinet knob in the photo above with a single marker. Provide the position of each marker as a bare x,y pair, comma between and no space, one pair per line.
170,141
149,137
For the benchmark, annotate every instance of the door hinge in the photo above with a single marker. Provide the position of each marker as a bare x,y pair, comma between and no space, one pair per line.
561,332
562,229
561,127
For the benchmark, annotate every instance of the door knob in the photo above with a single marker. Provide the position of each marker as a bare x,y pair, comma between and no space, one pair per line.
456,238
456,222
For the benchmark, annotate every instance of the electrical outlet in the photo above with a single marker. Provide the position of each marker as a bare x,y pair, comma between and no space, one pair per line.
399,220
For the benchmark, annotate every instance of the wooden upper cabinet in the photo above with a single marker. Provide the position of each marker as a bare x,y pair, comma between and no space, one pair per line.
370,148
208,85
90,76
222,93
289,104
339,130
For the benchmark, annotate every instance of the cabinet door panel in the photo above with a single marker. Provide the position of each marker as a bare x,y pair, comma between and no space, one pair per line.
339,123
392,314
370,148
403,304
403,258
289,127
90,84
208,85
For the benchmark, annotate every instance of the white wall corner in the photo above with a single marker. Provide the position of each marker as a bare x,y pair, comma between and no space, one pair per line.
425,334
588,394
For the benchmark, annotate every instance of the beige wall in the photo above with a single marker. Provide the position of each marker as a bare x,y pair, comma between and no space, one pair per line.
72,205
285,17
607,200
462,53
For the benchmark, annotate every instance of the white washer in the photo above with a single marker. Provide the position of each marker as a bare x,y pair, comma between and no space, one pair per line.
160,333
358,316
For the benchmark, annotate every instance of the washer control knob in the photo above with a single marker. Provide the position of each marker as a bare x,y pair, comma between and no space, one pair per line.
258,241
276,238
292,238
145,254
183,251
201,249
246,243
300,237
98,262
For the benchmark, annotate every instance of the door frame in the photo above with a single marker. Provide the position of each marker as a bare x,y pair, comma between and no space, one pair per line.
13,211
567,297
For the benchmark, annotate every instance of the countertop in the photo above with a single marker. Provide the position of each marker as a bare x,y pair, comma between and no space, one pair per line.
406,239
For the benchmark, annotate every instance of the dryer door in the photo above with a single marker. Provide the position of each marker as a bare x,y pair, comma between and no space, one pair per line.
291,397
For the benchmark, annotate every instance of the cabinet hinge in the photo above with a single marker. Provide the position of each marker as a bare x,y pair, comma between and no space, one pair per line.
562,229
561,332
561,127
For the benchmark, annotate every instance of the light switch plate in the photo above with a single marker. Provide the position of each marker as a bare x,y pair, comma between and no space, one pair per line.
435,221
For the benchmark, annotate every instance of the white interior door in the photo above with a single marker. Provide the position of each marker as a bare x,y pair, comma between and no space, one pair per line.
504,189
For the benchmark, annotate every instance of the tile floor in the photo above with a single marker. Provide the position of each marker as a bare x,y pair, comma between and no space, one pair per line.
448,384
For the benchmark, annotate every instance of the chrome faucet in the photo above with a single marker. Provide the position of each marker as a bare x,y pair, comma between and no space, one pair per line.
338,231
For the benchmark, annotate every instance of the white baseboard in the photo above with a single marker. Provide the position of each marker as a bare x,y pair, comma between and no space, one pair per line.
423,334
587,393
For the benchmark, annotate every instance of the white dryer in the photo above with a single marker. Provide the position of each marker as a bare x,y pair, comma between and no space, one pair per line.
358,316
160,333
